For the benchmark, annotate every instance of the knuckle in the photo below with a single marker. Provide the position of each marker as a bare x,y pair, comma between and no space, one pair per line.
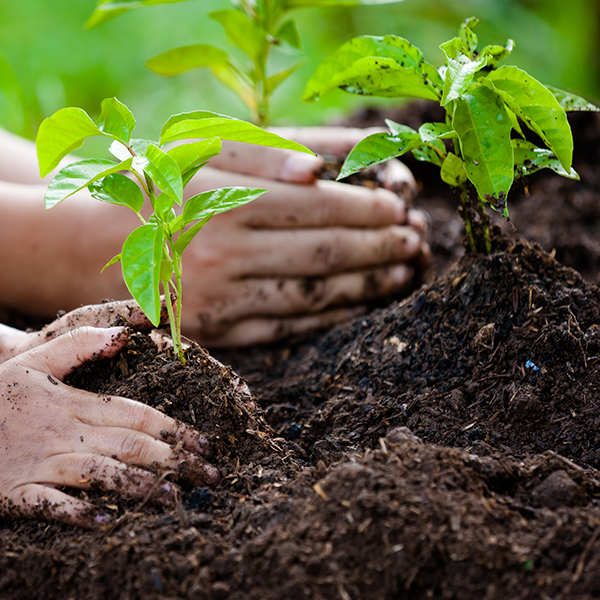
134,447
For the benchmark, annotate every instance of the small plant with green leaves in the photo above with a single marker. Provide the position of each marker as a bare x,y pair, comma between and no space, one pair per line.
151,256
486,107
255,27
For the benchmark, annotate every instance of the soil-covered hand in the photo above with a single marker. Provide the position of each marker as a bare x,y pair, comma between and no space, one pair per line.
53,436
307,254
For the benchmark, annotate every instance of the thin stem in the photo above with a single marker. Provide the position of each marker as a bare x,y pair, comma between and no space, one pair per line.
464,201
175,333
484,226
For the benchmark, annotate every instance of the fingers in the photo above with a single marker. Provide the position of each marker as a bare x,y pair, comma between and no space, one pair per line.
58,357
43,502
318,252
305,295
133,416
326,140
270,163
324,204
262,330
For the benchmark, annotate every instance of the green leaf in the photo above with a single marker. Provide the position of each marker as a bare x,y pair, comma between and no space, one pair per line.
179,60
453,171
529,159
165,172
363,57
466,33
231,76
109,9
116,120
204,206
189,174
398,129
242,31
497,53
427,153
114,260
483,127
118,189
281,76
141,260
572,103
204,124
185,238
288,33
537,106
218,201
118,150
436,131
76,176
460,73
60,134
189,156
378,148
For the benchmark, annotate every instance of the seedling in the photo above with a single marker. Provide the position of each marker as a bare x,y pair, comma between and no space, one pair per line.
486,106
255,27
151,256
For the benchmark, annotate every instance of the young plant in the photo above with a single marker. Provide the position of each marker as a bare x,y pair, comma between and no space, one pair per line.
486,106
151,256
255,27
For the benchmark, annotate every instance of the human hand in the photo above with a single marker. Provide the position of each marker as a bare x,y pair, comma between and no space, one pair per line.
302,256
55,436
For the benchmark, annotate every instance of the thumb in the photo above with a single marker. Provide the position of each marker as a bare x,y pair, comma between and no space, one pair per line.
61,355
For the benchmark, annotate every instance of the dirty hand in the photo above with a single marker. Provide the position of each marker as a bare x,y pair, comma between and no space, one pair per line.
301,256
54,436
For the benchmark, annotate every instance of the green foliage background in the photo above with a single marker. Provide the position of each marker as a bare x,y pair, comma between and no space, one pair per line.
48,60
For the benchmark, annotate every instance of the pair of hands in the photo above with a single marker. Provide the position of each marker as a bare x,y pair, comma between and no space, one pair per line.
54,436
307,254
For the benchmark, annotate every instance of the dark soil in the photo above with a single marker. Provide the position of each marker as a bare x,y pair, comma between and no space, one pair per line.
444,446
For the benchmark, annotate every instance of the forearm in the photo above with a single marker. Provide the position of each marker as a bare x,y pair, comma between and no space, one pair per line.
51,260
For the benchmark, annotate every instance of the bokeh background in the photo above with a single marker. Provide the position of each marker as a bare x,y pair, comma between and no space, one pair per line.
48,60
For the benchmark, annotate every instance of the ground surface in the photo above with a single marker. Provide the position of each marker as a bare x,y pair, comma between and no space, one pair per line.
444,446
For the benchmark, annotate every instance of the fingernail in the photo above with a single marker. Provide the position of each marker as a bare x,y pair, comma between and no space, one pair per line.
166,494
102,519
412,242
301,167
400,274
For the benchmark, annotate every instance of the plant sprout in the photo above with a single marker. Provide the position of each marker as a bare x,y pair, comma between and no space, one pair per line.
151,256
486,109
255,27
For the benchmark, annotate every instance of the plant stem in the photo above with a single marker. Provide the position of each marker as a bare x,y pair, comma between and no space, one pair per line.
484,225
175,331
464,202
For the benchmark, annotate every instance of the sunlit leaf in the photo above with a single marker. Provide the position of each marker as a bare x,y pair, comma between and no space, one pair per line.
60,134
537,107
378,148
466,33
242,31
483,128
118,189
177,61
461,71
76,176
572,103
496,53
453,171
529,159
116,120
141,260
189,156
204,124
352,64
165,172
109,9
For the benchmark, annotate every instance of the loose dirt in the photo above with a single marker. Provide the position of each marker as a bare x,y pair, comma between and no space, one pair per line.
443,446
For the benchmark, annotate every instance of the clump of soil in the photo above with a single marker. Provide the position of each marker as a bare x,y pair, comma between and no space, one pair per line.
444,446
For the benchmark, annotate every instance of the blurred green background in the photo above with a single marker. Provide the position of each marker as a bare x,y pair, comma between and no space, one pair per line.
48,60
